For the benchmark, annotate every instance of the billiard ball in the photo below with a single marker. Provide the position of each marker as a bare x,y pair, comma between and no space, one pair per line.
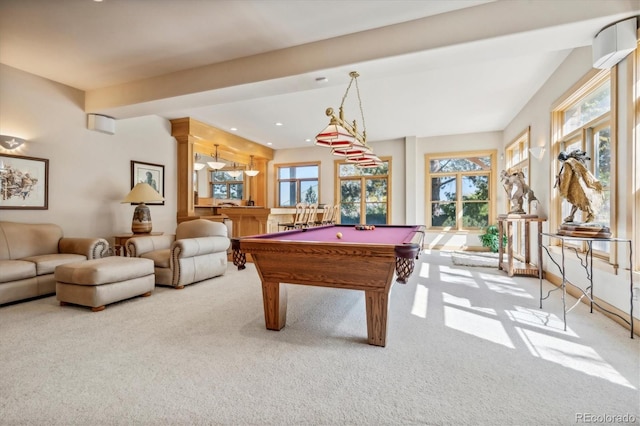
339,235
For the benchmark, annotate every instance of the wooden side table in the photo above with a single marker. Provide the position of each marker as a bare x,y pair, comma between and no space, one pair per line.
121,240
505,227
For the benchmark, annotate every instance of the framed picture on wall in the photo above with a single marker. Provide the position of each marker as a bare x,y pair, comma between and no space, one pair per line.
153,174
24,182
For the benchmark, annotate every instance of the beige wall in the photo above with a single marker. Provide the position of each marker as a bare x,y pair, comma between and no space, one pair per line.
89,172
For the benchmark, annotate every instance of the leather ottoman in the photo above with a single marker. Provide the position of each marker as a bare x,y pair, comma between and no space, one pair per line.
99,282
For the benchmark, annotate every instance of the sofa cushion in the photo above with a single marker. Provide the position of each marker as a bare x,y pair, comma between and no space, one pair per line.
46,263
160,257
20,240
13,270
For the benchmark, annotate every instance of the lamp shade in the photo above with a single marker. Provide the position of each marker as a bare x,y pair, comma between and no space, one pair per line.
142,193
335,136
198,166
357,149
364,158
216,164
250,171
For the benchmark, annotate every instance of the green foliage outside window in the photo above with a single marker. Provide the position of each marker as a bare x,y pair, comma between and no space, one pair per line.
460,184
364,191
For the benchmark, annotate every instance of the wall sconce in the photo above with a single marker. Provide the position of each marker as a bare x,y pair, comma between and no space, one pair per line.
10,142
251,172
537,151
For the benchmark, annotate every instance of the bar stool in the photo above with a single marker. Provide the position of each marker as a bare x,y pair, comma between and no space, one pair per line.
297,219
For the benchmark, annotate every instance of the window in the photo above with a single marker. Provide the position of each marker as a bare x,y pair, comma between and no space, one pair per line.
517,158
364,193
298,183
225,186
460,190
583,120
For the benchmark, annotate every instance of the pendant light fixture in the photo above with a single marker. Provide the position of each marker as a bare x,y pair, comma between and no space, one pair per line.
197,165
235,172
215,164
251,172
343,138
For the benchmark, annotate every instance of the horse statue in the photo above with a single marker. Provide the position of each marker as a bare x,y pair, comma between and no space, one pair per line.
515,184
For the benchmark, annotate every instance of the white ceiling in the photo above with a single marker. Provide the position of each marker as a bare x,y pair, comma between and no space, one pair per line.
427,67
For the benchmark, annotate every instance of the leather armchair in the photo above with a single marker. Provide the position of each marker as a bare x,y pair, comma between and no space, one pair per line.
197,252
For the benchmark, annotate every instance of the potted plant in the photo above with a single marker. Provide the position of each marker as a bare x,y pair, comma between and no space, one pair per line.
490,238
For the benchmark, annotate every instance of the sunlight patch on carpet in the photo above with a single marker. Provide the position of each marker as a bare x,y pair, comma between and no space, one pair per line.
477,325
419,307
571,355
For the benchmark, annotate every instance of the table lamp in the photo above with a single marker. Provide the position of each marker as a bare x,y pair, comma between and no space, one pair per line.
142,193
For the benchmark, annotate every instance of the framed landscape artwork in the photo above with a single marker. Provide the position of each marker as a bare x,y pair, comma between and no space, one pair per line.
153,174
24,182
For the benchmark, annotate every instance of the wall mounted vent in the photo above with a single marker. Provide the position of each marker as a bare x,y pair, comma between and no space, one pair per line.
101,123
614,43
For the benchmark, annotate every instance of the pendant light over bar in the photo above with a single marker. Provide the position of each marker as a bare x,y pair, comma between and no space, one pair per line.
343,138
251,172
215,164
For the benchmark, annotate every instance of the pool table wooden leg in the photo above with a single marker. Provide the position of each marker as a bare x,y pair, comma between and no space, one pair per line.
274,297
377,308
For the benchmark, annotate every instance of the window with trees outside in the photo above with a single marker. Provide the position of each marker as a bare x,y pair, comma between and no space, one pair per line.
364,193
517,158
297,183
225,186
583,121
459,190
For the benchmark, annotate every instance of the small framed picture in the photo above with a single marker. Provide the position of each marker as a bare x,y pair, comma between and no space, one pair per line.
153,174
24,182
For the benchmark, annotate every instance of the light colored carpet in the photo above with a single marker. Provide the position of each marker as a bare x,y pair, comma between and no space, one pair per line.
470,258
464,347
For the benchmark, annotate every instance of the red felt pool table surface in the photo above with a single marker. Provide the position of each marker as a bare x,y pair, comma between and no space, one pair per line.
361,260
387,234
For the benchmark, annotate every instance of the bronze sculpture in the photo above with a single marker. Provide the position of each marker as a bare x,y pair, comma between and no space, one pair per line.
578,186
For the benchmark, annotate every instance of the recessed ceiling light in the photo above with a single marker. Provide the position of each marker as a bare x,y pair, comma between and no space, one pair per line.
233,129
322,80
307,140
279,124
269,143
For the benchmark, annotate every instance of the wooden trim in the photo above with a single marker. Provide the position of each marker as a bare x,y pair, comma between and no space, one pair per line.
276,178
337,180
194,136
493,183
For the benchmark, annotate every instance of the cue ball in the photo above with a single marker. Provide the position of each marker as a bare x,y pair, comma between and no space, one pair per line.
339,235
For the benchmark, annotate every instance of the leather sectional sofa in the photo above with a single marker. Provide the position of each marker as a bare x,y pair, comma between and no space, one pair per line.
29,254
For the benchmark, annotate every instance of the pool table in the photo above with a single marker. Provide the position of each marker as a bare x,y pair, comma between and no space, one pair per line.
333,256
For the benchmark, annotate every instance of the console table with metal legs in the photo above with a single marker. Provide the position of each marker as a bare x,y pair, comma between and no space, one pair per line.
587,264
